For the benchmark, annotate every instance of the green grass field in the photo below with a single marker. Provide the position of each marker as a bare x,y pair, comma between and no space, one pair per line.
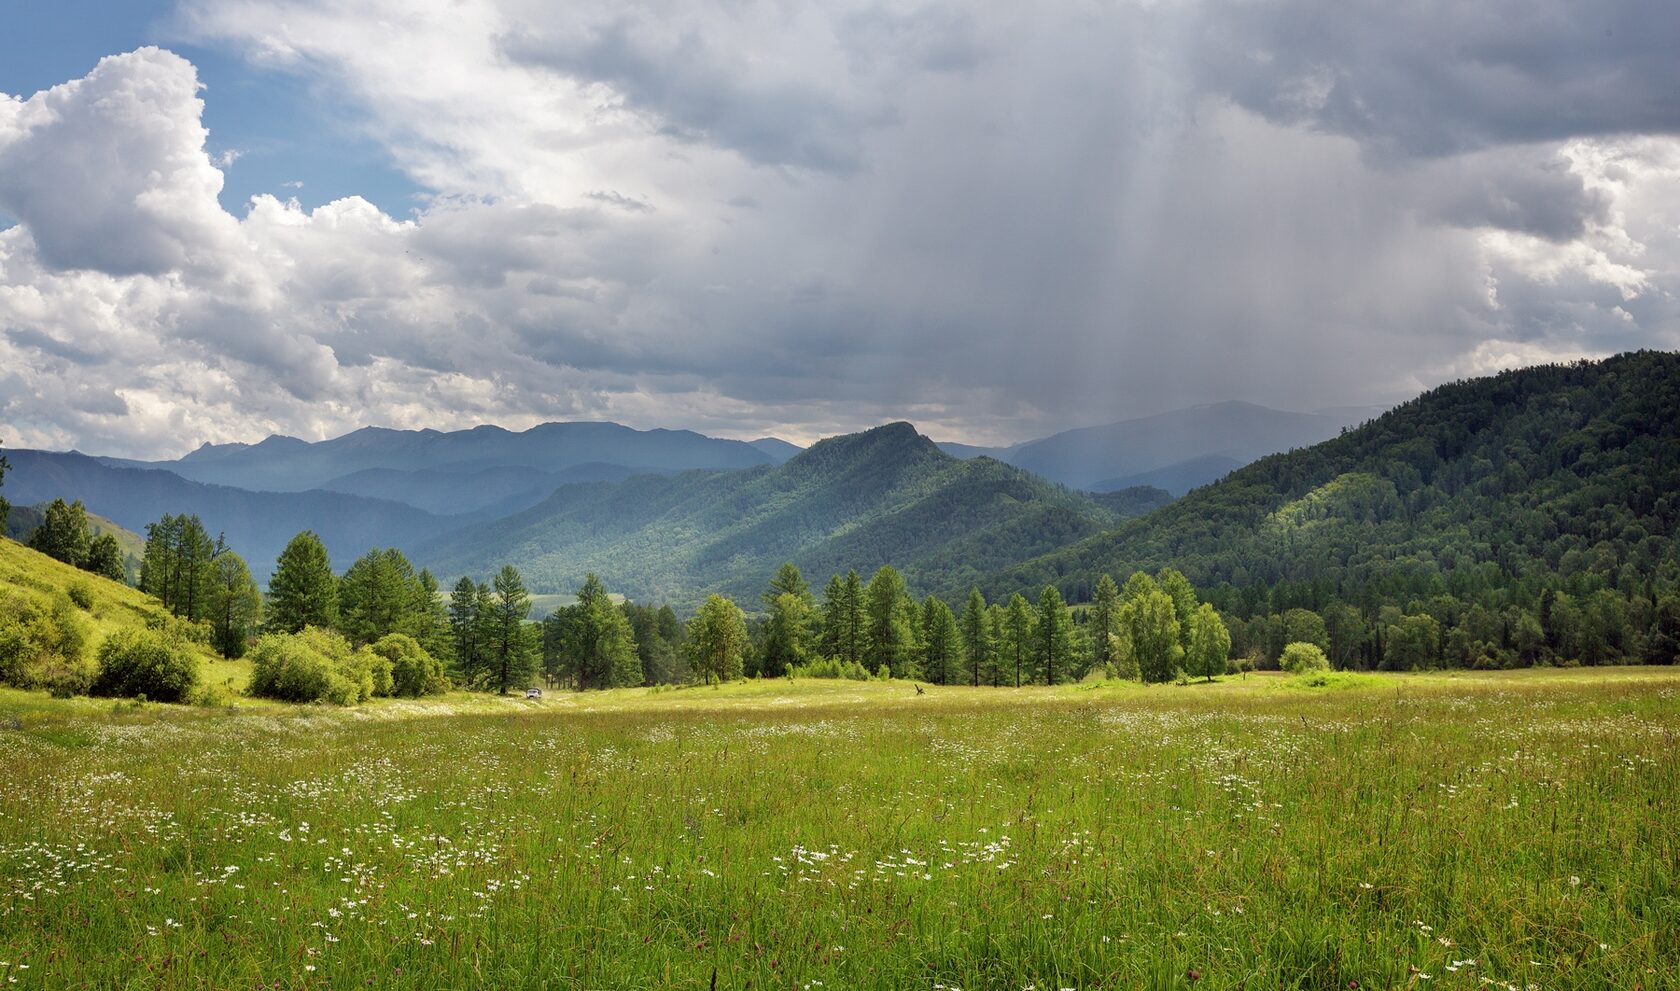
1516,830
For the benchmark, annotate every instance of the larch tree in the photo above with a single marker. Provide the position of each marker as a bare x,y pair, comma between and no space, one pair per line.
976,636
1053,636
787,632
105,558
941,643
603,647
891,621
512,643
1105,615
843,618
1015,647
64,533
303,590
379,595
464,628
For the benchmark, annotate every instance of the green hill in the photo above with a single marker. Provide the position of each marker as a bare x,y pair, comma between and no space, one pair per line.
1489,493
887,495
23,520
30,578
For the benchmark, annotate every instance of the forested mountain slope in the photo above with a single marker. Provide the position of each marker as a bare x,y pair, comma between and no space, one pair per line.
1498,493
287,464
887,495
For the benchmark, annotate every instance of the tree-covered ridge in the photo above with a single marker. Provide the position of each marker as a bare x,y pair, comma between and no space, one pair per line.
857,501
1498,494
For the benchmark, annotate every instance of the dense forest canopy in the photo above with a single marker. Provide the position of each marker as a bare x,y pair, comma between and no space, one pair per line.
1459,522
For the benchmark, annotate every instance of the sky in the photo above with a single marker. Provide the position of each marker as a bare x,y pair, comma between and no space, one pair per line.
221,219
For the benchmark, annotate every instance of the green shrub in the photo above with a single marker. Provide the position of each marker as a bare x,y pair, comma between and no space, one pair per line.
145,663
1303,658
313,665
829,667
80,594
44,647
413,671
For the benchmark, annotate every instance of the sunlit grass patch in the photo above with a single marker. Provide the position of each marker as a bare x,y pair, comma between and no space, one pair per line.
1394,832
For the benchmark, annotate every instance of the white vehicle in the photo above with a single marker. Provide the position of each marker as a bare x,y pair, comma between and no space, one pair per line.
533,693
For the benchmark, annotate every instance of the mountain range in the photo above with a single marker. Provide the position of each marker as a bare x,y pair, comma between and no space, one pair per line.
887,495
1176,451
1564,473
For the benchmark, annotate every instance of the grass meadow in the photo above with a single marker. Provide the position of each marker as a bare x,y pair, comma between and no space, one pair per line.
1512,831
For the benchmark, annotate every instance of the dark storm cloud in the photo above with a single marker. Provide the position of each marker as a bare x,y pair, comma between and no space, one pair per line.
1437,77
48,344
701,95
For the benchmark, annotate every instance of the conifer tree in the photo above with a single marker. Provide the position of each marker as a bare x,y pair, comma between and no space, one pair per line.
464,628
64,533
303,591
843,618
1015,648
1053,636
105,558
942,650
511,643
976,637
787,632
1105,614
891,621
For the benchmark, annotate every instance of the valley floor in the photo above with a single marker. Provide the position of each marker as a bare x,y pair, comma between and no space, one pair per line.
1465,830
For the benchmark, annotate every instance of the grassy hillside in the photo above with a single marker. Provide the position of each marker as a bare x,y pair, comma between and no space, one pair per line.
112,606
887,495
1513,829
23,520
1550,473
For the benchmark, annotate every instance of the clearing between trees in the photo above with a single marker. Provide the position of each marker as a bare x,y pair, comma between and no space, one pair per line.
1511,829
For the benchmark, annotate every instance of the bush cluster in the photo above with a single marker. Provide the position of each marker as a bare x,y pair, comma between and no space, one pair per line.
318,665
1303,658
829,667
44,646
145,662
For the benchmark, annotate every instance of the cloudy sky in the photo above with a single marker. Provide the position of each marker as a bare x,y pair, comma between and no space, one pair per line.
225,218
